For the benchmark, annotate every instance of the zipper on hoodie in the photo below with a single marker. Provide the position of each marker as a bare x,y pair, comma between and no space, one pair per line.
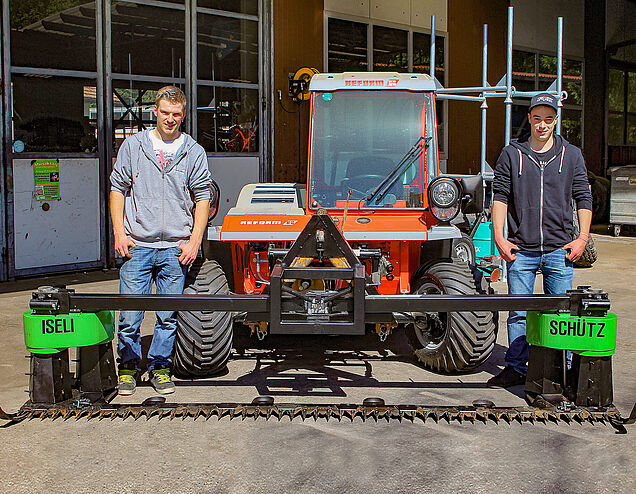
541,209
163,203
163,184
541,169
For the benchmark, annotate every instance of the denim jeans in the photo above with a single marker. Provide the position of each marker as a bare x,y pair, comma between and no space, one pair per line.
557,278
136,276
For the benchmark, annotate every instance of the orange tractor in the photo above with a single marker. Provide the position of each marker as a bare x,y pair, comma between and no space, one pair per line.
368,245
342,254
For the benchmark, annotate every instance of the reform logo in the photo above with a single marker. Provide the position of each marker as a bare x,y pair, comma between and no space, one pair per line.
364,82
261,222
269,222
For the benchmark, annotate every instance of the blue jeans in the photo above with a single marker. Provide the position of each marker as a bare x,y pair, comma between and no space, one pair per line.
136,276
557,278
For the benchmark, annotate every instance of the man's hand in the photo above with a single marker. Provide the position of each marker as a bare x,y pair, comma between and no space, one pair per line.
575,249
189,252
122,241
190,249
499,212
505,248
122,244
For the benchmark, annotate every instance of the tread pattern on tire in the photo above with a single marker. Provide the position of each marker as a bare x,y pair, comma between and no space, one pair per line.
204,338
589,256
470,336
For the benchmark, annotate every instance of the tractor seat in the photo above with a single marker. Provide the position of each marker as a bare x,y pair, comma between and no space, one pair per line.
369,165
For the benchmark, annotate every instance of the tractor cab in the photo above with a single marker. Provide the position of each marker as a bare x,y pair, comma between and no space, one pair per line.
373,141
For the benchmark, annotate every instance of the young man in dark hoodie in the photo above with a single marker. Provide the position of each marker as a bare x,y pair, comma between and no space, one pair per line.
536,178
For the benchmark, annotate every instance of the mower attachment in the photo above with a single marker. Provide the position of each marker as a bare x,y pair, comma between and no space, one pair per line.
374,409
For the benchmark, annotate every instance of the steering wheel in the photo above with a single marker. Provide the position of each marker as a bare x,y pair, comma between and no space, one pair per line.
365,181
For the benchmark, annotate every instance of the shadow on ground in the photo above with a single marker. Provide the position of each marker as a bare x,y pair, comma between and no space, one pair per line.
323,366
59,280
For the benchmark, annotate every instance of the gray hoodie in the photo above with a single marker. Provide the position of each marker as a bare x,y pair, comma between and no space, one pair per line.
158,207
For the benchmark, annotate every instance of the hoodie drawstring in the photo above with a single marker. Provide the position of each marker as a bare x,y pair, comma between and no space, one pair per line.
520,162
562,156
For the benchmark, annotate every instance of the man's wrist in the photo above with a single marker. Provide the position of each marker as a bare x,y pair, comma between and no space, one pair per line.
196,239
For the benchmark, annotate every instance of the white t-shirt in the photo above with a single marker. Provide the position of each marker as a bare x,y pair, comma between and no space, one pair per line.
165,151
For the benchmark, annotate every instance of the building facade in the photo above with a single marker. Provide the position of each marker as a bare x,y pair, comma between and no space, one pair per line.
79,76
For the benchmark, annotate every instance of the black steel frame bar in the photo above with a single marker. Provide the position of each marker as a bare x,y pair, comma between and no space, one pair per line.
459,303
373,304
319,273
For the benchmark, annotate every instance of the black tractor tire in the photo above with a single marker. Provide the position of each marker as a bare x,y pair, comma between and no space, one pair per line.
589,256
600,187
451,341
204,338
463,249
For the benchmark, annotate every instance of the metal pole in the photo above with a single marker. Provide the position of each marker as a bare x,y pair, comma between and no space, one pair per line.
369,50
559,70
459,97
268,20
262,98
103,165
508,103
409,50
191,67
508,100
484,105
7,136
471,89
109,116
432,61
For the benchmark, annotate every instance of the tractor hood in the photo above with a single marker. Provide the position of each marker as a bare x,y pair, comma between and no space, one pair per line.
369,227
274,212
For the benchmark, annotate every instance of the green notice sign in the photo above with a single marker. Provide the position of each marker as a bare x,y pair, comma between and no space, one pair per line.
46,178
52,333
590,336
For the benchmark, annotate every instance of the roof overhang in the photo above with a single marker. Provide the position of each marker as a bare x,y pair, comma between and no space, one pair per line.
372,80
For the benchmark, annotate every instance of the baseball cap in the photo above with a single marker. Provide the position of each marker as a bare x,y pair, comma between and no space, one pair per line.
545,99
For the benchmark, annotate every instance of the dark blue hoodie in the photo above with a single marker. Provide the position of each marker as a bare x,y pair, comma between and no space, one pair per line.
539,188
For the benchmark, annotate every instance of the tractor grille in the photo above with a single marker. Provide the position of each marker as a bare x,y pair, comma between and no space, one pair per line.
273,195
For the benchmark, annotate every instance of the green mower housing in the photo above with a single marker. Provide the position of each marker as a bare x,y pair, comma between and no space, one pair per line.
588,336
48,333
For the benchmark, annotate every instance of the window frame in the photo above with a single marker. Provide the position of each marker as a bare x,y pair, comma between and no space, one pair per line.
190,82
566,106
196,82
625,69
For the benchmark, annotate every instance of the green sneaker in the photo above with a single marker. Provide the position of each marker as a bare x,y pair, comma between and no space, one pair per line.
127,382
161,381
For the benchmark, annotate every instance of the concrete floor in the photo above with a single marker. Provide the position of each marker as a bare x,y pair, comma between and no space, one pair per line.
320,456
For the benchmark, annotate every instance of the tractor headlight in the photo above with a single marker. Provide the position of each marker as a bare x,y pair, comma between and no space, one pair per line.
443,198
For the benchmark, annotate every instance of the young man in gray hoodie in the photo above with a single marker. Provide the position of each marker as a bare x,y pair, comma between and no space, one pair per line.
159,204
536,178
